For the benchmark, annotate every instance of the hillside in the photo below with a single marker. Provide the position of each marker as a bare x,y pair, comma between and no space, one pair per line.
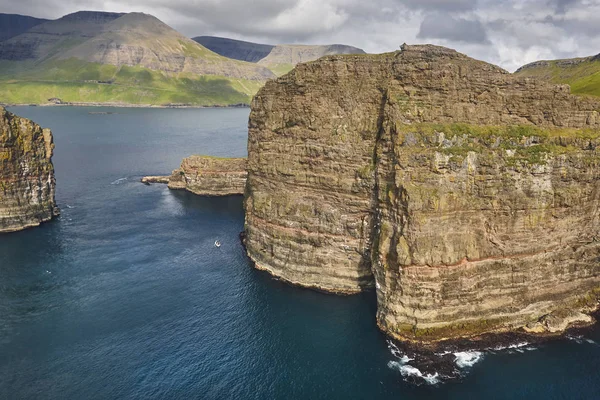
236,49
283,58
12,25
582,74
98,57
280,58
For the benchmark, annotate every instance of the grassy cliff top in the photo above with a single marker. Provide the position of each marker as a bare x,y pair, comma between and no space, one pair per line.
582,74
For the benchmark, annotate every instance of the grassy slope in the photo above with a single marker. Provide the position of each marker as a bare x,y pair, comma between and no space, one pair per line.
281,69
74,80
584,78
77,81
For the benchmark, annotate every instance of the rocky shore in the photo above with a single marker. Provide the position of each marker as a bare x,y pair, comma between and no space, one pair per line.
27,183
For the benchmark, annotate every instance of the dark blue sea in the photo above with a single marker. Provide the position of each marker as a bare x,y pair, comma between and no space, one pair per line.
125,295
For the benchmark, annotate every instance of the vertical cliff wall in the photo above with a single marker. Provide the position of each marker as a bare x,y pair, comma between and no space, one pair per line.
467,196
27,183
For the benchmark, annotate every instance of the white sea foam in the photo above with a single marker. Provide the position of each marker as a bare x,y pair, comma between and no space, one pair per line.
410,371
510,347
580,339
119,181
466,359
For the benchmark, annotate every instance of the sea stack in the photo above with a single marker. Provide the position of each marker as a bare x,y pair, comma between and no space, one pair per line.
467,197
27,183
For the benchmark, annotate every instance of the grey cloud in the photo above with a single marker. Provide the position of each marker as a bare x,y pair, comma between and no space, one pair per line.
442,5
506,32
446,27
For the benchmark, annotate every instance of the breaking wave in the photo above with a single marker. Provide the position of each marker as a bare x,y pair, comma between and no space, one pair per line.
408,371
466,359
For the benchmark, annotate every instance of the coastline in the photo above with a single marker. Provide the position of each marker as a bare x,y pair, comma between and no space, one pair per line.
450,359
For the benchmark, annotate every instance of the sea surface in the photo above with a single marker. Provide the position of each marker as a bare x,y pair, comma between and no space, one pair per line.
125,295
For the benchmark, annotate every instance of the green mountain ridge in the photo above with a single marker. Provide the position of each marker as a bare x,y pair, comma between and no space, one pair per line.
98,57
582,74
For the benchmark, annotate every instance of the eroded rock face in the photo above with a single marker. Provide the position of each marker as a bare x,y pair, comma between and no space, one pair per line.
210,176
27,183
467,196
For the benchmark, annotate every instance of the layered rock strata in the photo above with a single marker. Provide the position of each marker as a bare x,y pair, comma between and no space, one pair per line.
27,183
467,196
207,176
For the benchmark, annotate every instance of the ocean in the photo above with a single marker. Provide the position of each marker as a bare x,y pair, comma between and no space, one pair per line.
125,296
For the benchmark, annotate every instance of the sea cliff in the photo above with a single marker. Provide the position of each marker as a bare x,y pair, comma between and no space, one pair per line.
27,183
466,196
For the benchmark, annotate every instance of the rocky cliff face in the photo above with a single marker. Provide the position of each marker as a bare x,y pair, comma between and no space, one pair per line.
26,173
467,196
210,176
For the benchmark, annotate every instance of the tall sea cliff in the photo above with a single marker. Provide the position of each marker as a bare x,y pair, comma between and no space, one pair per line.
466,196
27,183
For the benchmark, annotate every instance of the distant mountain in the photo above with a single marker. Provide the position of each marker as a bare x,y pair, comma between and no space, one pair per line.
236,49
278,58
284,57
582,74
12,25
99,57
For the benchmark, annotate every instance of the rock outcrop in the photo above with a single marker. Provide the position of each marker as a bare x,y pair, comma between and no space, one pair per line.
27,183
206,176
468,197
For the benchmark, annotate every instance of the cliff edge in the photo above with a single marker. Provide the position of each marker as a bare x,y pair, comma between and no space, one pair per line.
467,196
27,183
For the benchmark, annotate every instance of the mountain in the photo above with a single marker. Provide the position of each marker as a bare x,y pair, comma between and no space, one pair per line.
582,74
278,58
12,25
100,57
283,58
236,49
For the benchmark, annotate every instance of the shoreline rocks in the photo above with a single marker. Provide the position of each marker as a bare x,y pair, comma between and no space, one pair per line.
27,183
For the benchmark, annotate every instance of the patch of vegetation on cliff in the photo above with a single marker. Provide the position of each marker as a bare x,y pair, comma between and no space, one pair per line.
523,144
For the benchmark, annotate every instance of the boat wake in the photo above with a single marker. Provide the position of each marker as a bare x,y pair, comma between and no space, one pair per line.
119,181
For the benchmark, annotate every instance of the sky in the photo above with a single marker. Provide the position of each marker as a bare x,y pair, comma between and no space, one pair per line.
509,33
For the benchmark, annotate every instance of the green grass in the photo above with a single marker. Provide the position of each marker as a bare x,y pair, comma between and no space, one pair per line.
584,77
517,138
77,81
281,69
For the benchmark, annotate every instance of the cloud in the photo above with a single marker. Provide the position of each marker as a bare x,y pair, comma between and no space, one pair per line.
452,29
509,33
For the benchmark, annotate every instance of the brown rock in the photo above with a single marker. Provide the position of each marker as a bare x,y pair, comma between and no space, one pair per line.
27,183
467,196
210,176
